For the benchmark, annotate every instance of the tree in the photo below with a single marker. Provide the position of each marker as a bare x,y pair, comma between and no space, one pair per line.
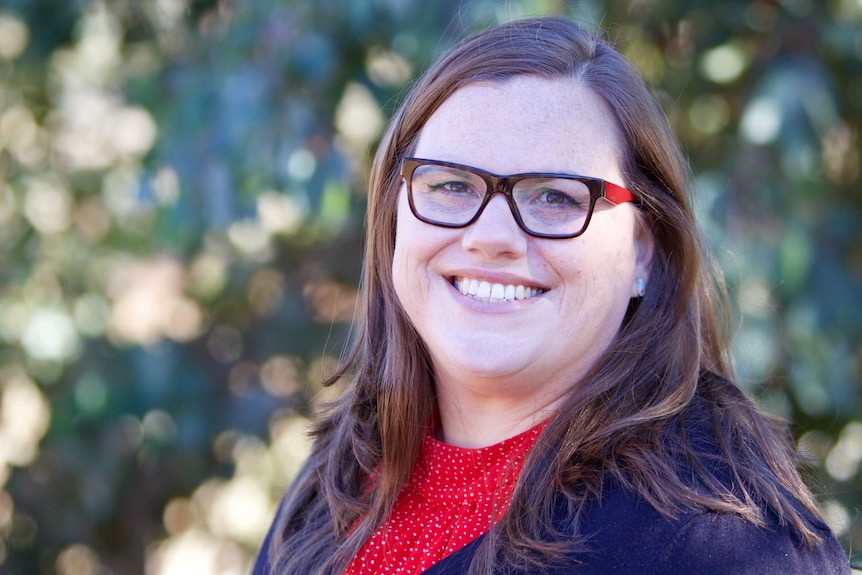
182,184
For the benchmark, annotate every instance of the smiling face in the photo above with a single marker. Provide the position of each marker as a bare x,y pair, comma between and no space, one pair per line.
503,314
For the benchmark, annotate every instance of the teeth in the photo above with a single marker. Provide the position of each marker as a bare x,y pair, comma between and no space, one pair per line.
494,293
497,291
509,293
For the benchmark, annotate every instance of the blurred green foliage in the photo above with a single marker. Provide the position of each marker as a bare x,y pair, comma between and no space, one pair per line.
181,199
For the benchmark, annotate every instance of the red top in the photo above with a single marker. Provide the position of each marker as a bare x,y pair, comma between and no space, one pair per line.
454,495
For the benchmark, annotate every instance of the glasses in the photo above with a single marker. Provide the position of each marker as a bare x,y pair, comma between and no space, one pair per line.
555,206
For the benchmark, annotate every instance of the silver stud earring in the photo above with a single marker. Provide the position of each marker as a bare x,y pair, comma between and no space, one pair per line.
640,283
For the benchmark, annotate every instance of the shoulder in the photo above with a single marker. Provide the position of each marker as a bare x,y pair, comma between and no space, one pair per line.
623,534
710,543
626,535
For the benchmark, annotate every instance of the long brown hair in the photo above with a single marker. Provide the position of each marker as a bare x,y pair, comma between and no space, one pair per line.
666,370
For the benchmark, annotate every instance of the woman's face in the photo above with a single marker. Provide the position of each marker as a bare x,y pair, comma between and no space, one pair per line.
536,347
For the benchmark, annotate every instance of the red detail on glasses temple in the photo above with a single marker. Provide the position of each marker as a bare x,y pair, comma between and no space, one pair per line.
617,194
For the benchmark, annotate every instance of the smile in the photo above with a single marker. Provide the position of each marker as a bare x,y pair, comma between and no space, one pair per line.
494,292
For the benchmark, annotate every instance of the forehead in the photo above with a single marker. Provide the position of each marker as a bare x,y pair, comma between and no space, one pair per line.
525,124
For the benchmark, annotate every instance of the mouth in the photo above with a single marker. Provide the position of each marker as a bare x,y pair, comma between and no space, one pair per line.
494,292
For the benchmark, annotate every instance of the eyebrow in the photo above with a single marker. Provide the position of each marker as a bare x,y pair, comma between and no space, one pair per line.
456,171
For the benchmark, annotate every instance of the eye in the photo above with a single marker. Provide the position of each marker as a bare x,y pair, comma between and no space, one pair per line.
551,197
554,197
453,186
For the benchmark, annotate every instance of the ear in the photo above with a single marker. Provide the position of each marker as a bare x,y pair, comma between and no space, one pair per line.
644,249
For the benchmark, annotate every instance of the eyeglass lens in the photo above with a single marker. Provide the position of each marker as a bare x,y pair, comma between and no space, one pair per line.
546,205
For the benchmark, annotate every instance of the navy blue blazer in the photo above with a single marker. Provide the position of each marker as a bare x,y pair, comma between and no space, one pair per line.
628,536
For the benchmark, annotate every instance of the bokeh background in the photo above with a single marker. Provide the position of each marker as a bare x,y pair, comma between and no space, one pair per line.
182,184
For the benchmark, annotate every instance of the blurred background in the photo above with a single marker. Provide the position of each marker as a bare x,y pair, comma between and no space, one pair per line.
182,185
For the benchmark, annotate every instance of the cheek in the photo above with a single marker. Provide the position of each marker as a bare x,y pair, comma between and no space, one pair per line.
602,263
407,252
400,272
416,243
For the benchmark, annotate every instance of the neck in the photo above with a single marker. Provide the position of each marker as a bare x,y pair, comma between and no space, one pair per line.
470,419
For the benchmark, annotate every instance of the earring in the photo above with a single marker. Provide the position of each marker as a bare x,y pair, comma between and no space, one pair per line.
640,284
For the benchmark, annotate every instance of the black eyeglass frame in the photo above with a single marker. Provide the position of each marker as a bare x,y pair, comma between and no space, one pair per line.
494,183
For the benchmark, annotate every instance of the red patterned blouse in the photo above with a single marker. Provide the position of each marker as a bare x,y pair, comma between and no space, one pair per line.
454,495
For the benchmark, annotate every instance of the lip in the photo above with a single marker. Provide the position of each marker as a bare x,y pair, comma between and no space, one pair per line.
492,276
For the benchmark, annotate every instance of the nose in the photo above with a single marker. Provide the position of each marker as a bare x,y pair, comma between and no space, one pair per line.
496,233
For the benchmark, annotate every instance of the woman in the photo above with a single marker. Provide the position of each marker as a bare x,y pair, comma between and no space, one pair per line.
539,383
